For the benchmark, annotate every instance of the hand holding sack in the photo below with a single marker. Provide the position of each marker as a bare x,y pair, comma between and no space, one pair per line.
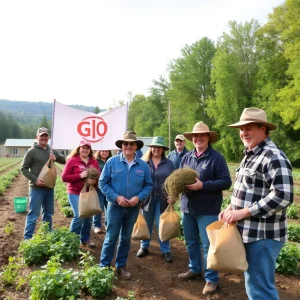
226,251
48,174
88,202
169,224
140,230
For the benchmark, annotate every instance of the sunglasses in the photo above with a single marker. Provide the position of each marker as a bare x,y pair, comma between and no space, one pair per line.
130,144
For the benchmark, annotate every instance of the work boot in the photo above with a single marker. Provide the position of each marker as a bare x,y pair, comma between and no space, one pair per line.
189,275
142,252
168,257
210,288
124,274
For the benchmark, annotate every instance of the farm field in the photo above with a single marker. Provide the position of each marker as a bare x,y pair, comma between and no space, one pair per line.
152,278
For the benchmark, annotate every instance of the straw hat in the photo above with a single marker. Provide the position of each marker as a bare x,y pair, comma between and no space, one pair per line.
129,136
253,115
158,141
201,127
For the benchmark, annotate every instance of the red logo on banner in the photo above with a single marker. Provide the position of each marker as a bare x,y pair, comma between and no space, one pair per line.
92,129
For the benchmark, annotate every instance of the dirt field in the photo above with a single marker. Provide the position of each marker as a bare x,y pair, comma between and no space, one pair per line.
152,278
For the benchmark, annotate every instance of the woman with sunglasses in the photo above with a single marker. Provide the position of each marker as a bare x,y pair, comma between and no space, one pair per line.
160,167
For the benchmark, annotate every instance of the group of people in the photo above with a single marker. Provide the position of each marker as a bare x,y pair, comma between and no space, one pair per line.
262,190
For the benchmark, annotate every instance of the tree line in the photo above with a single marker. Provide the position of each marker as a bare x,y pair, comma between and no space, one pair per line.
250,66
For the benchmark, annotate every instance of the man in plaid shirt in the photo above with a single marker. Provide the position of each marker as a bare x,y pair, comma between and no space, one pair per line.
262,191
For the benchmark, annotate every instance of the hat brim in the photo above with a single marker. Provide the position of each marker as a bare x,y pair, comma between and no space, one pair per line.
43,133
242,123
213,136
158,145
139,143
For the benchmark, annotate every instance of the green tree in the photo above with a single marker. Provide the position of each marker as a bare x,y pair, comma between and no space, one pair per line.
235,67
97,110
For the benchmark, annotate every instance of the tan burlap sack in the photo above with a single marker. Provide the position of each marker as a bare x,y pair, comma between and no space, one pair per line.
140,230
226,251
169,224
88,202
48,174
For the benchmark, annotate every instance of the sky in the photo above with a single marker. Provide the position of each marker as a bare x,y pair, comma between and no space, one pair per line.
97,52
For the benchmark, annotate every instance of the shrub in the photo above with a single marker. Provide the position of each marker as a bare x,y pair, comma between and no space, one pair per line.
287,261
53,282
292,211
10,271
294,232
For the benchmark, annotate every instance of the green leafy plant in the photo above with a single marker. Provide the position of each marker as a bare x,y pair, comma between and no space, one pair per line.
98,281
67,211
130,296
292,211
226,201
294,232
11,271
9,228
287,261
54,282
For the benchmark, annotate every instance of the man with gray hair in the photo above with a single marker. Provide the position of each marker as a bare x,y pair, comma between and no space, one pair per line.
180,150
262,191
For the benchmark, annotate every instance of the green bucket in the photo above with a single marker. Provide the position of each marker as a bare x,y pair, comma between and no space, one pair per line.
20,204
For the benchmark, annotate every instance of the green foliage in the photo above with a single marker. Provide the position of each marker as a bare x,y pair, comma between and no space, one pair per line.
53,282
287,261
293,232
67,211
9,228
226,201
293,211
45,244
98,281
11,271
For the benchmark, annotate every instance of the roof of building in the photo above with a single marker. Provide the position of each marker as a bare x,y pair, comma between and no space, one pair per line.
20,142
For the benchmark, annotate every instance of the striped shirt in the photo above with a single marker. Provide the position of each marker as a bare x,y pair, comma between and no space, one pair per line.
264,184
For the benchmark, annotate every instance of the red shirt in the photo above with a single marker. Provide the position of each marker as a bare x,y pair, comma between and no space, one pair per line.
72,170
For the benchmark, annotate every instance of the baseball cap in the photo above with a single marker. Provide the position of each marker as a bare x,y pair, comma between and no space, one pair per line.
41,131
84,143
180,137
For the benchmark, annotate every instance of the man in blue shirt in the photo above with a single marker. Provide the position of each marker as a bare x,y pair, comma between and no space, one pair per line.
126,182
180,150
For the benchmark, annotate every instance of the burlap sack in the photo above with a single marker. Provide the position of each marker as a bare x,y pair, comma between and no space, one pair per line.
48,174
140,230
88,202
169,224
226,251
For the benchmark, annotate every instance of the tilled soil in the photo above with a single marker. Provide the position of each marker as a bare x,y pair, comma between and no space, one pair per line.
153,278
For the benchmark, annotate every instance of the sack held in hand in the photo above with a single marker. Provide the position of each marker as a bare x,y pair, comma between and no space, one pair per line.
48,174
140,230
169,224
226,251
88,202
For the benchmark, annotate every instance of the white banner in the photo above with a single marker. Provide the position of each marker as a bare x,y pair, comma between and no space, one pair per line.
71,125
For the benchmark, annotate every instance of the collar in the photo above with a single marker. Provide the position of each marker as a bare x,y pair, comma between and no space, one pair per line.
257,149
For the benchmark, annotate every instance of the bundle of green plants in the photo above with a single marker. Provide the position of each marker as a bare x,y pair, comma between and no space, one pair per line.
45,244
175,183
294,232
52,282
293,211
288,259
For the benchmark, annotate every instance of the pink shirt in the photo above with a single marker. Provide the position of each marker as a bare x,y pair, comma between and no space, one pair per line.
72,170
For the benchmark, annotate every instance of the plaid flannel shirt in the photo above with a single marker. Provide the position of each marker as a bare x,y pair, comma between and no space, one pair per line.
264,184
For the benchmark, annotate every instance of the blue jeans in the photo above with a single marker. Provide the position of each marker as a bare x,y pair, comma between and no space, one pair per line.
260,276
39,198
81,226
154,213
120,222
97,218
194,227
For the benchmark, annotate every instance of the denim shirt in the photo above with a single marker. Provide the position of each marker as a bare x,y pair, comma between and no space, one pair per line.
176,157
117,179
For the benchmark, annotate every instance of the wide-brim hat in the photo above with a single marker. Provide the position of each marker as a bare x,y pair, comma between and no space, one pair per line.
253,115
201,127
129,136
158,141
